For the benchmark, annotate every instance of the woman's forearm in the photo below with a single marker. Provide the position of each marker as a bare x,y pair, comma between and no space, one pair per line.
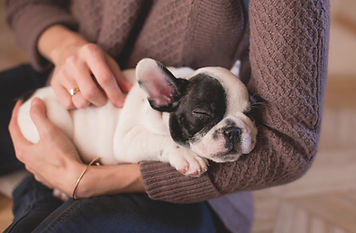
110,179
57,42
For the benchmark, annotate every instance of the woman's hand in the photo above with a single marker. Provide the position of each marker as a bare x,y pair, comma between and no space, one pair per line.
53,161
82,65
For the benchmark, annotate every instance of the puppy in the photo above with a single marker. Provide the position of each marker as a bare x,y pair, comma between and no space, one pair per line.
179,116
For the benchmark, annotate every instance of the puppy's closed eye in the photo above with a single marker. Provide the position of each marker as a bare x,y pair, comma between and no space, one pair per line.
201,113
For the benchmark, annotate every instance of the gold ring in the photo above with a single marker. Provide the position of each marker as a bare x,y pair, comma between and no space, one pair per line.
73,91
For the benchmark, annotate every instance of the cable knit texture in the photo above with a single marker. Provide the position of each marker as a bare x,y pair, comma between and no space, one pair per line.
288,60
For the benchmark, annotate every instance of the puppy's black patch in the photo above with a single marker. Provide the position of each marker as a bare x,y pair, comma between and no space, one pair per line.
202,107
216,134
254,112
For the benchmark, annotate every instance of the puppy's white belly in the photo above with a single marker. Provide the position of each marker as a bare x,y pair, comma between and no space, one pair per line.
93,132
55,112
91,129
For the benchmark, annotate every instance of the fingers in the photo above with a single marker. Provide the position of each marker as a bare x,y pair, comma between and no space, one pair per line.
38,114
38,111
88,88
75,72
79,101
63,97
98,64
63,82
60,83
124,84
39,117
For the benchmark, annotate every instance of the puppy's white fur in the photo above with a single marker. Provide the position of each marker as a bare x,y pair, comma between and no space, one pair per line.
131,134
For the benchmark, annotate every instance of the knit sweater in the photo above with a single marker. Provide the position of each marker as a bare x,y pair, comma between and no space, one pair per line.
287,41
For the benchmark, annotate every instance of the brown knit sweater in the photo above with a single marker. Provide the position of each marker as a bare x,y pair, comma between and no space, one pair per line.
288,48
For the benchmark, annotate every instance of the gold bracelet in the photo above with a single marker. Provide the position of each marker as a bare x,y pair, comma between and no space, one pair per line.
82,174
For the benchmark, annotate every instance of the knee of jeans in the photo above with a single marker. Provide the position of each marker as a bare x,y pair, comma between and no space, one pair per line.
128,213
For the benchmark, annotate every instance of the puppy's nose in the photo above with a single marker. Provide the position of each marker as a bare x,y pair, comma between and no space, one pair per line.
233,134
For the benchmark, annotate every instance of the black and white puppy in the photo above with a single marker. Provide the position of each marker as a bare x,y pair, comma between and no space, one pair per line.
169,116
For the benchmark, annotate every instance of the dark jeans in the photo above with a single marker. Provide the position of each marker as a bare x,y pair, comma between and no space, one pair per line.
36,210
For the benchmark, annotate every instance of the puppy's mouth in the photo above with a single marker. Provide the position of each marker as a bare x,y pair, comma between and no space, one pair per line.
231,148
230,155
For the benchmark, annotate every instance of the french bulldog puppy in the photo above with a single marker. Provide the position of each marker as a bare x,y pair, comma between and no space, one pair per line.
179,116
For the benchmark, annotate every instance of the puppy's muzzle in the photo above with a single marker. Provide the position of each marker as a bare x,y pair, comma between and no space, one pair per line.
233,138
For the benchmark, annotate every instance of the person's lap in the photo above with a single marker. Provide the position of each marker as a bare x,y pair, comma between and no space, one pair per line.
36,210
32,202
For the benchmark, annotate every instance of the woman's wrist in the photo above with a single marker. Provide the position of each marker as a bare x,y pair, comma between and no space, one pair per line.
57,42
110,179
72,169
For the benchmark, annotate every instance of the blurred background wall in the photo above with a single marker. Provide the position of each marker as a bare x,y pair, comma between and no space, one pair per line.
343,39
325,199
10,53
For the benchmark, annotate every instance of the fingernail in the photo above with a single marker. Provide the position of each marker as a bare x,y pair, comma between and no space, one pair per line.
103,102
120,102
128,86
35,101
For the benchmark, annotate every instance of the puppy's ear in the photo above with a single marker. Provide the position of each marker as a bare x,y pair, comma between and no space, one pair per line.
163,89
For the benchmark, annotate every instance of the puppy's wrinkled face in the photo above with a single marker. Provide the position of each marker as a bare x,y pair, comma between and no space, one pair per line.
207,109
218,100
201,107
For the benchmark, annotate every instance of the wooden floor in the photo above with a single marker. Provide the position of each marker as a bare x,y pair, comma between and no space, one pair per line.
5,212
324,200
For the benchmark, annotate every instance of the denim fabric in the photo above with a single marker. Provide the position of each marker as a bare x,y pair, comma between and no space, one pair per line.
36,210
32,202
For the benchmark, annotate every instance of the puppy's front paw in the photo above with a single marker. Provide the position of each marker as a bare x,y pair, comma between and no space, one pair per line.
187,162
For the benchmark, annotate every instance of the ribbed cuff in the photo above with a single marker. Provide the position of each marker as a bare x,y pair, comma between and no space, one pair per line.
31,21
162,182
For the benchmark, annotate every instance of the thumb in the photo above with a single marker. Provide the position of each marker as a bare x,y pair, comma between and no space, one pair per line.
39,115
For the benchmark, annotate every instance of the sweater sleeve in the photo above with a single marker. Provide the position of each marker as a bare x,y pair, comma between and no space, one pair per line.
29,18
288,56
